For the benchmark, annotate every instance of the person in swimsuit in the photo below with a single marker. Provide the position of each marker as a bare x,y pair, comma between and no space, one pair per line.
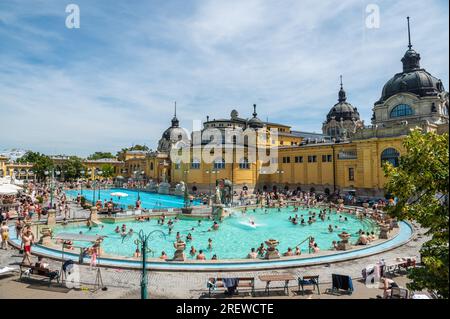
27,241
4,232
19,226
201,256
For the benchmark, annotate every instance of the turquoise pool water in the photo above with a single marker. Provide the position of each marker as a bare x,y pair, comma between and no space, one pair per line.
235,237
148,200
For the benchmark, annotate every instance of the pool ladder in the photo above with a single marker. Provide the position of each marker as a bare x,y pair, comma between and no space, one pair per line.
304,240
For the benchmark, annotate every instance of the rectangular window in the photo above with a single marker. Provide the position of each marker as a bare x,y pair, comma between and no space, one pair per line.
244,165
286,160
299,159
195,165
330,158
324,158
351,174
312,158
219,165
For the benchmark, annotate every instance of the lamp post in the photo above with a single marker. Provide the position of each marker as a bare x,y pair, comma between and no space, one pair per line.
52,172
138,176
99,173
82,172
186,192
143,241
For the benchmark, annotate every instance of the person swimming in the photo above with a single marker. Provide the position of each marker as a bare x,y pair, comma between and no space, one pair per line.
209,243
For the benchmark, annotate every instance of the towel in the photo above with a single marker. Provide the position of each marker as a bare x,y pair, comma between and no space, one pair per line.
231,284
342,282
350,283
67,266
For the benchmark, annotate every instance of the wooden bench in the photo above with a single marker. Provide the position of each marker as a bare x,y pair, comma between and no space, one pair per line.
38,271
244,282
277,278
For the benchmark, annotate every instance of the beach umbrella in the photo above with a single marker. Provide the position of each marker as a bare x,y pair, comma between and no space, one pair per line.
6,189
119,194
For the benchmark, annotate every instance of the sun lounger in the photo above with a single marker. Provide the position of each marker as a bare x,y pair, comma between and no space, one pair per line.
7,271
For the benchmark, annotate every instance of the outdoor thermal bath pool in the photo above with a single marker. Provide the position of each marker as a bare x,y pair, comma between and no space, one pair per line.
235,237
148,200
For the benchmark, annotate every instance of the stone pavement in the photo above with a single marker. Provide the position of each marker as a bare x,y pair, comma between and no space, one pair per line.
165,284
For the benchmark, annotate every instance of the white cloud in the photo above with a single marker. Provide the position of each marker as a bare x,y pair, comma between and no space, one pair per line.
112,83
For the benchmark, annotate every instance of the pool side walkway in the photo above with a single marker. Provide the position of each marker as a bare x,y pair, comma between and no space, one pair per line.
172,284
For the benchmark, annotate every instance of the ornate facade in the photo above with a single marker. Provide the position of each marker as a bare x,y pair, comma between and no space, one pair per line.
348,156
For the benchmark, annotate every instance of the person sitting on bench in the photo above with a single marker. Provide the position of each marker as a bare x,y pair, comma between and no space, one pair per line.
43,269
41,264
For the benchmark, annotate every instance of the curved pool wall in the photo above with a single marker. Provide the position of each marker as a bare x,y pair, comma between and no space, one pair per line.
403,236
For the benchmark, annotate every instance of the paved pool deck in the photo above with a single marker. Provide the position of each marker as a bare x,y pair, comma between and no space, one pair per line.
192,285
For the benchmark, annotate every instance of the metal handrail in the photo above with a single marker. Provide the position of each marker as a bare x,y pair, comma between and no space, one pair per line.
307,238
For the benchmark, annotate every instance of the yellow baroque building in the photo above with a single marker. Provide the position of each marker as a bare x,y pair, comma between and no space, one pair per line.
346,157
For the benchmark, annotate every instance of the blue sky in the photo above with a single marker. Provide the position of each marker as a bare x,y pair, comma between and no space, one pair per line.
112,82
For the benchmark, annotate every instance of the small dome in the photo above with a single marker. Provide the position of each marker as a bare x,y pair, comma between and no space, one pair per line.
343,110
172,135
255,122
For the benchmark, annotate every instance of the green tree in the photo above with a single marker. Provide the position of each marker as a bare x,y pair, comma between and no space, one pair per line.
72,168
41,164
120,154
100,155
29,157
107,170
421,185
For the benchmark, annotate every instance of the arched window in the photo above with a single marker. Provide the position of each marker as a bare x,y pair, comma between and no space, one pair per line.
151,166
390,155
401,110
